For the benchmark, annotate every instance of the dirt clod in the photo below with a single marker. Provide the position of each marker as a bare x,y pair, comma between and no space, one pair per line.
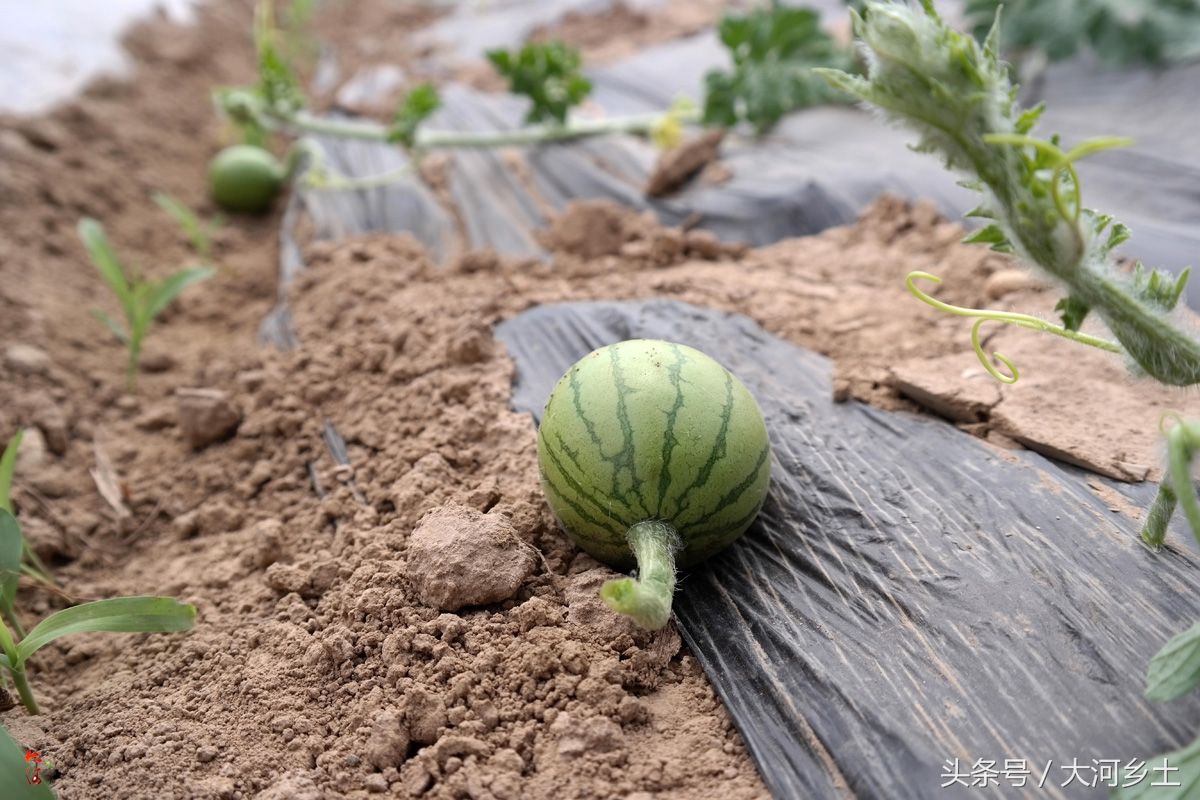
206,416
459,557
678,165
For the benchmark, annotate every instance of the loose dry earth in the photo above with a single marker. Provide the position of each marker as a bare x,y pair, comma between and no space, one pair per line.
414,624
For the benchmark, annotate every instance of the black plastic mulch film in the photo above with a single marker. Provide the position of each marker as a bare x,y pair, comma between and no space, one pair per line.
908,596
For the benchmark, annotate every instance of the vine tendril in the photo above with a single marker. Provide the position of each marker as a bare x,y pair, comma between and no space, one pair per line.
1063,162
982,315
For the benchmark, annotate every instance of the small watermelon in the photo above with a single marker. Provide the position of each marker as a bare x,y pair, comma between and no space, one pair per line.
652,452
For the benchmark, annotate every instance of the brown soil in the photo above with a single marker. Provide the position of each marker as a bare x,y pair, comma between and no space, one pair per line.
618,31
338,652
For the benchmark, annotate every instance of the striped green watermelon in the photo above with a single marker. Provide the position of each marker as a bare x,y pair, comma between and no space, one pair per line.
646,431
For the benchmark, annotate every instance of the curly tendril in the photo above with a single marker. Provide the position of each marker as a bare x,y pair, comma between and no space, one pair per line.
1063,163
982,315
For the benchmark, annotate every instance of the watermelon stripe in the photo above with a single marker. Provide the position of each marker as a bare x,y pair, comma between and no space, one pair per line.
669,440
719,447
626,457
573,456
615,460
704,535
733,495
575,486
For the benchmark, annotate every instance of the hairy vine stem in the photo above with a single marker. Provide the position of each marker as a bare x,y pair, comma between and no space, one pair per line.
647,597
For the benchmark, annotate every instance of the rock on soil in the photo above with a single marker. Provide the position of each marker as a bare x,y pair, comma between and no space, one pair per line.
678,165
459,557
206,416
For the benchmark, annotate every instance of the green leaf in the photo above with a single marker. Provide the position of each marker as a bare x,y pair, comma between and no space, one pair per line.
1175,669
13,775
8,466
114,326
167,290
1159,287
548,73
106,261
188,221
116,615
1173,776
12,545
776,52
277,83
1120,33
988,234
1072,311
416,107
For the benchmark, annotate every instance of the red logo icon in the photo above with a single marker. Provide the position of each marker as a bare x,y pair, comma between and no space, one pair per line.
33,766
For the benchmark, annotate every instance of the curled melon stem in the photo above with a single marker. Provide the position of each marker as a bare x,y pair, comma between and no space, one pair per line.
647,598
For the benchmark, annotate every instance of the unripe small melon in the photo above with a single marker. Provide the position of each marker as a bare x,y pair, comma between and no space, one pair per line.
653,430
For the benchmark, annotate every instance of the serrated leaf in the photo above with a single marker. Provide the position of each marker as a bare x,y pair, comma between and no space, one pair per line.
1028,118
548,74
414,109
1175,669
779,55
8,467
116,615
1147,32
988,234
164,292
13,774
1072,311
1159,287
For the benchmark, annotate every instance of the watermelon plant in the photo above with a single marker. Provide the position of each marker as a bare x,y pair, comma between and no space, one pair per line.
118,614
957,95
773,51
141,300
651,455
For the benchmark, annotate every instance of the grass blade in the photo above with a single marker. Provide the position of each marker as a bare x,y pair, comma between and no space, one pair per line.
169,289
8,465
12,545
106,261
112,325
188,221
116,615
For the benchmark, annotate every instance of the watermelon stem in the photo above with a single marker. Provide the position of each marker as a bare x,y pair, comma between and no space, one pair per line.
647,597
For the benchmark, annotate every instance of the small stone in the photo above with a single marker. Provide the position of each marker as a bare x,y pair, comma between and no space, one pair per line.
576,737
157,418
25,359
33,452
206,416
52,422
1007,281
416,778
376,783
156,361
387,745
676,166
459,557
206,754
